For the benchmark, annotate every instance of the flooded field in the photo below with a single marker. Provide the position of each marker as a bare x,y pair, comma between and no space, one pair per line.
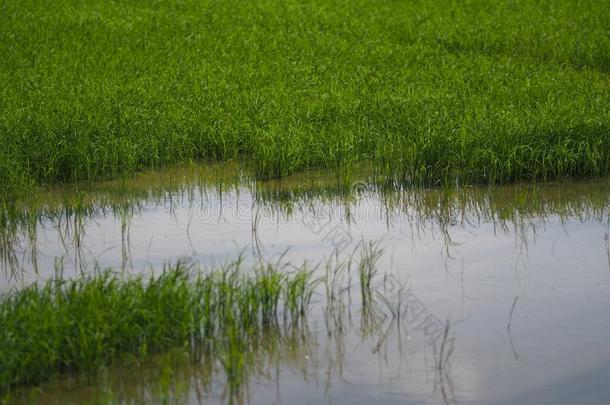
472,295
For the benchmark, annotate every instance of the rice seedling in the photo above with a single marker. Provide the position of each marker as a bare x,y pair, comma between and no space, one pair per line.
298,292
442,365
336,285
84,324
234,321
426,92
367,269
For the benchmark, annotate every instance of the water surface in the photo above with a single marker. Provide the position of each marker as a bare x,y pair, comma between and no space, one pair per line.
519,274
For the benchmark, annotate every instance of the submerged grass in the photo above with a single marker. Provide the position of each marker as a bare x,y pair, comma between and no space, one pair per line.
244,325
428,91
95,321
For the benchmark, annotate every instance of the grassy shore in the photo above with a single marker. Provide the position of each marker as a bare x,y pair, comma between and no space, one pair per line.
428,91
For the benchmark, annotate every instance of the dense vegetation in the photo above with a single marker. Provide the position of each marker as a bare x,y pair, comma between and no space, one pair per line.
428,91
82,325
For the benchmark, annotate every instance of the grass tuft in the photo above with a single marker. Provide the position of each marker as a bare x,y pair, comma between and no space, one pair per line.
95,321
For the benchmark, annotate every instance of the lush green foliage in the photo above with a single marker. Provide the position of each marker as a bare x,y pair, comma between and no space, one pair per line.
429,91
84,324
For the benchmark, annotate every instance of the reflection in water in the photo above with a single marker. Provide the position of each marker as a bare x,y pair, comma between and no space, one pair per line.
510,337
607,240
476,287
64,222
286,344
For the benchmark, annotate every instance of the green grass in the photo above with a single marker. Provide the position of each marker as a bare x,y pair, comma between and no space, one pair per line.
185,326
230,318
81,325
428,91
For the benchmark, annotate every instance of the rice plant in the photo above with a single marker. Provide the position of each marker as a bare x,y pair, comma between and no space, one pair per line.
426,91
95,321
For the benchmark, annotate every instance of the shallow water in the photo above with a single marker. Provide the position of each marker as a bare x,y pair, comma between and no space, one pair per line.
520,274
